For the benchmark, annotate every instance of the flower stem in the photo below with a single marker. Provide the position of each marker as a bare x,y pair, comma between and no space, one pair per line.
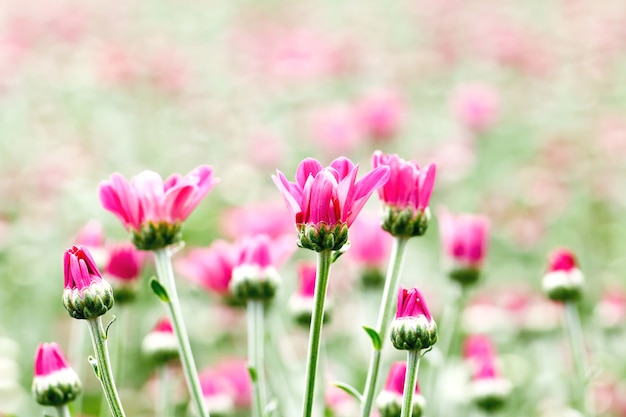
412,367
104,371
384,318
577,346
166,277
321,284
256,341
63,411
163,409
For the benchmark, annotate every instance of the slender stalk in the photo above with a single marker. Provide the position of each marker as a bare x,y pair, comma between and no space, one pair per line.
166,277
577,346
63,411
412,367
117,352
105,373
256,341
163,408
321,284
384,318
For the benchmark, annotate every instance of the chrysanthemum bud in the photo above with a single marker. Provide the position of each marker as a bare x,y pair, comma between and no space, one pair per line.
405,196
413,328
563,281
86,294
301,303
160,344
255,276
488,390
55,383
389,401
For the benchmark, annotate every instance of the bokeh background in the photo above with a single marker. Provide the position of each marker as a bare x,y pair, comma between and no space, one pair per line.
521,104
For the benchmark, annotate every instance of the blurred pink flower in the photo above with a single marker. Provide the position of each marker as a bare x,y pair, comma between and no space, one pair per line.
562,259
476,106
125,262
480,352
242,221
55,383
211,267
167,69
369,243
396,377
389,401
306,278
91,235
227,386
380,114
147,201
65,23
610,312
465,238
260,252
118,65
328,196
49,360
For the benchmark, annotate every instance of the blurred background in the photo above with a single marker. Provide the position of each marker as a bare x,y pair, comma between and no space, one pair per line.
521,104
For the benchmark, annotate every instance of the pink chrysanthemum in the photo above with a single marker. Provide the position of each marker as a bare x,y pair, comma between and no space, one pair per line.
55,382
325,201
154,209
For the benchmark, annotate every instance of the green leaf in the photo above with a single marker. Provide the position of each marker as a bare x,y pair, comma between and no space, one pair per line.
252,372
159,289
350,390
373,334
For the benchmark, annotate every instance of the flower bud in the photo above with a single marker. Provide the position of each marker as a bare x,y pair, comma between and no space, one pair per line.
255,276
405,222
413,328
86,294
322,236
389,401
301,303
160,344
55,383
563,281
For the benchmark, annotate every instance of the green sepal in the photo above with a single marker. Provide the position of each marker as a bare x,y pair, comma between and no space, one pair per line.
159,289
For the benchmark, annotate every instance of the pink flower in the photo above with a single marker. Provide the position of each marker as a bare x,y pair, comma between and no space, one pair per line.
307,277
411,304
211,267
409,187
380,114
80,270
369,243
465,238
86,294
331,197
255,275
227,386
125,262
163,326
55,383
563,281
336,128
392,394
154,209
91,235
476,106
160,344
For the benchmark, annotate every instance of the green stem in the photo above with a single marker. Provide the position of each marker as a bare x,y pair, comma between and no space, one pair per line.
256,341
577,346
104,371
384,318
63,411
163,409
321,284
166,277
412,367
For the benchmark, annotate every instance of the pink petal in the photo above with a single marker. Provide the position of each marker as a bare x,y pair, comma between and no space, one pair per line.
307,167
427,186
343,166
364,189
283,185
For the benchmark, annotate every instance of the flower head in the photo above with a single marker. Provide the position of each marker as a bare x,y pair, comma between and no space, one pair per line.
124,269
153,209
211,267
325,201
369,248
476,106
563,280
413,328
255,275
488,389
381,114
465,240
55,382
389,401
301,302
406,195
86,294
160,344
